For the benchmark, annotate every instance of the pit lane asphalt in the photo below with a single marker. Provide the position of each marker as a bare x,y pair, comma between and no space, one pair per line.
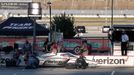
63,71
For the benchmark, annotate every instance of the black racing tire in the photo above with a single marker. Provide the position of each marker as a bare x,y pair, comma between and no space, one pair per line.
8,62
2,60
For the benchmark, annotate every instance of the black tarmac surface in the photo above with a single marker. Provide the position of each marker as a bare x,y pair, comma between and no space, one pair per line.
63,71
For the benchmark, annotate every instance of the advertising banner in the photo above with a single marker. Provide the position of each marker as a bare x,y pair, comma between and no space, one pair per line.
13,5
112,60
9,41
99,46
16,1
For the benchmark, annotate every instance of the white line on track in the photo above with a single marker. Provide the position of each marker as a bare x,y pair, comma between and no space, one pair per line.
112,72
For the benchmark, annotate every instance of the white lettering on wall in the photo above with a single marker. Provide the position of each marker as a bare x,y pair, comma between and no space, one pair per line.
19,26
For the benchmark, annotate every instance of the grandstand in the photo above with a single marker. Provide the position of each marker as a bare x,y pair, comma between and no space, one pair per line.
93,13
86,12
88,4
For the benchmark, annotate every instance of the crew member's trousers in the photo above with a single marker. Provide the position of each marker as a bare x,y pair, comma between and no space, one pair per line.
124,48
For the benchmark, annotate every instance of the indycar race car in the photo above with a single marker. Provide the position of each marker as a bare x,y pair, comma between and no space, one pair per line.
58,59
64,59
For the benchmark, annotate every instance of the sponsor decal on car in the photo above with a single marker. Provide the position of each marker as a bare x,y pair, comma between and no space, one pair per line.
54,62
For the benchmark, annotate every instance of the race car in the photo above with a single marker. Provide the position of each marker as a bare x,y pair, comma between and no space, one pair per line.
58,59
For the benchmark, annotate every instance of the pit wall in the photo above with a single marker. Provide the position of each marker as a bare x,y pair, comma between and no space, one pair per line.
113,61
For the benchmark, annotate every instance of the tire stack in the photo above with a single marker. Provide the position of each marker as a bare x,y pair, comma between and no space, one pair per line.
10,62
